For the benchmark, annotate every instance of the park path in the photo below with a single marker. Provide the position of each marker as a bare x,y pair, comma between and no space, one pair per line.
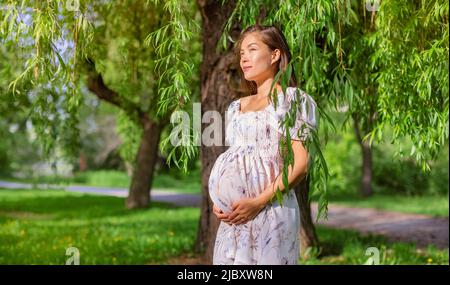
187,200
420,229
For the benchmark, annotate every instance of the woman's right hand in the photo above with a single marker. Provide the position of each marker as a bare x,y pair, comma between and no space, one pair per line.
220,214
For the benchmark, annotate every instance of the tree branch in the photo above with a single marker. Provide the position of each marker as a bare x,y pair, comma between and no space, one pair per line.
97,86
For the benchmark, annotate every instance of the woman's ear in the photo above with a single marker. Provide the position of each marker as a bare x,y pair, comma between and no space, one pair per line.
275,56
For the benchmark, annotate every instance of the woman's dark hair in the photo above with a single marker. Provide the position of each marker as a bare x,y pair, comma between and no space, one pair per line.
274,39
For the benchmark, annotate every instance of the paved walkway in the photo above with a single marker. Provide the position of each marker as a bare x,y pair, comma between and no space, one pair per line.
186,200
421,229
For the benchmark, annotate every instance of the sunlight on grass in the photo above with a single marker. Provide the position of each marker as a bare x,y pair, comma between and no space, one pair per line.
350,247
37,226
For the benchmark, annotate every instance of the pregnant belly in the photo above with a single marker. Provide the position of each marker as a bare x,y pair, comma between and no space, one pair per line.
236,176
227,183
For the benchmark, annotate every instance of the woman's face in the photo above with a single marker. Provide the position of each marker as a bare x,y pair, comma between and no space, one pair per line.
257,60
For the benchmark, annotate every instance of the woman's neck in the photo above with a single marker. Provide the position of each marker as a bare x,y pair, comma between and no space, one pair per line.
264,88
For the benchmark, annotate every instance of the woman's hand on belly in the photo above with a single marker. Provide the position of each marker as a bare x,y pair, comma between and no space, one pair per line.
220,214
245,210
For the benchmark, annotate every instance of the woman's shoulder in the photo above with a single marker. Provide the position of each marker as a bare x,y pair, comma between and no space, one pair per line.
291,94
297,94
233,109
294,97
233,106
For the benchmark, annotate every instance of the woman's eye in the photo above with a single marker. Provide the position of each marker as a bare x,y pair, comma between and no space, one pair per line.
252,49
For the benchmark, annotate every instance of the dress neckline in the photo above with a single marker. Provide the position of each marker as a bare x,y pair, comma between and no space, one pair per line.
257,111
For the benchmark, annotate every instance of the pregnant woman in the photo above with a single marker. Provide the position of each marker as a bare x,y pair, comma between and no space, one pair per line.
255,229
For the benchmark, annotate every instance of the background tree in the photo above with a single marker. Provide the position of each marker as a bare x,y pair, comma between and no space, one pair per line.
108,48
390,78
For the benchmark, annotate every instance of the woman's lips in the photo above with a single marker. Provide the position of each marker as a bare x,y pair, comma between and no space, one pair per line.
246,68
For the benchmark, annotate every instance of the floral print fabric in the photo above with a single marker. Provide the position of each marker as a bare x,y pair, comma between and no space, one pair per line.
249,165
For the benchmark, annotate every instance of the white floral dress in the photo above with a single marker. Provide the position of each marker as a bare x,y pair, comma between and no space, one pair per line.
250,164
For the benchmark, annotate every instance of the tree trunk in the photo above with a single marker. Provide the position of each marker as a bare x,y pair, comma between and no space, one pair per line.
218,75
139,195
141,182
366,179
308,236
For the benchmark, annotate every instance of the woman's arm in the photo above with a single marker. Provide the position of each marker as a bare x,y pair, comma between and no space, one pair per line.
246,209
296,173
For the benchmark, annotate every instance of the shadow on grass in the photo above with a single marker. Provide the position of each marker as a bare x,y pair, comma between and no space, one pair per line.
333,241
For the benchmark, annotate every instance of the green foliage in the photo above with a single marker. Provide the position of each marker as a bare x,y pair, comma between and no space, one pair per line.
343,156
4,159
405,176
413,92
131,133
174,61
393,174
56,42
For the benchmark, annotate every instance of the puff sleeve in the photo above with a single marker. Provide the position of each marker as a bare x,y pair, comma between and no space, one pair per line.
305,119
230,113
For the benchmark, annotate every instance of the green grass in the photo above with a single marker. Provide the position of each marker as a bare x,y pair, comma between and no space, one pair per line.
182,183
433,205
37,227
350,247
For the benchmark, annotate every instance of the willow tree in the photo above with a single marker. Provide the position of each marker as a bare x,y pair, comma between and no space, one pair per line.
220,85
14,145
374,59
112,50
395,57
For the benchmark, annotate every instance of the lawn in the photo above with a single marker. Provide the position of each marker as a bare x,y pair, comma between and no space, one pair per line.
38,226
350,247
434,205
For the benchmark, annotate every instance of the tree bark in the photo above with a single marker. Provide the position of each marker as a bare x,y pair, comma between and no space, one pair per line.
218,76
308,236
139,195
366,179
141,181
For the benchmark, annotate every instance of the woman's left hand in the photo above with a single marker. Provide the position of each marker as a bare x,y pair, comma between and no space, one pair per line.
245,210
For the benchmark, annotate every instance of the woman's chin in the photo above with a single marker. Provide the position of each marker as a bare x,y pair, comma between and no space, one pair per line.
249,77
